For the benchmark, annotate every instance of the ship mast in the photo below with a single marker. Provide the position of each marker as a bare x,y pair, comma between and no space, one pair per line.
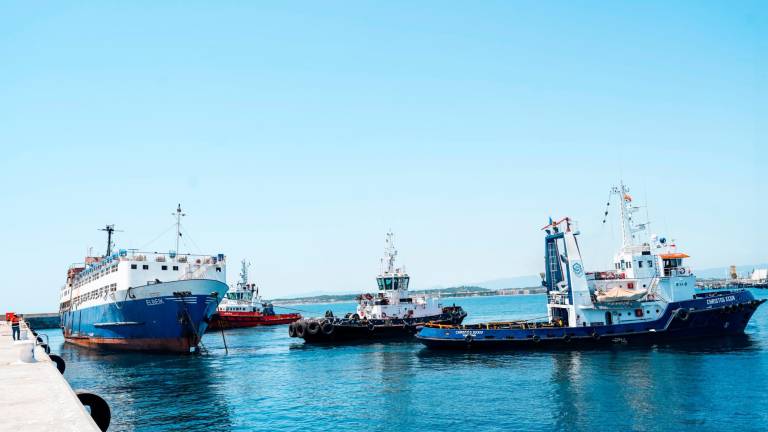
389,254
628,227
244,272
109,229
178,215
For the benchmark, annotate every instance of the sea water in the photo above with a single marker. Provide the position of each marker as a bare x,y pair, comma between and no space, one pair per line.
270,382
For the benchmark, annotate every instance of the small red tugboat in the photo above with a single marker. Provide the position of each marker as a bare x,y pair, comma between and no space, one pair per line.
242,307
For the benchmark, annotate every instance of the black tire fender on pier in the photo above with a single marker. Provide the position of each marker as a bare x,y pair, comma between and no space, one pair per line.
292,329
100,412
60,364
327,328
313,327
682,314
301,328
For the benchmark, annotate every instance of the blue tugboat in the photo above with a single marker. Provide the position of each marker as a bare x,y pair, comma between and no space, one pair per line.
648,297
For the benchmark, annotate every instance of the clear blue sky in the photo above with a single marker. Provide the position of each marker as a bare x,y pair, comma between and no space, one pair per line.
296,133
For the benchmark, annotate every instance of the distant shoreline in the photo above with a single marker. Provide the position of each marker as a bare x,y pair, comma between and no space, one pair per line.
448,292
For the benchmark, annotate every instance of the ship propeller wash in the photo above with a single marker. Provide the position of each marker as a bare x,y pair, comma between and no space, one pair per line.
145,301
391,313
648,296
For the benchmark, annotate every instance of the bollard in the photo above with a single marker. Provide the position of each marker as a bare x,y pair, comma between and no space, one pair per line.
26,350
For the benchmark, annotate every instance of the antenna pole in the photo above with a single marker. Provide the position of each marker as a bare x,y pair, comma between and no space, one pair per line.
178,215
109,229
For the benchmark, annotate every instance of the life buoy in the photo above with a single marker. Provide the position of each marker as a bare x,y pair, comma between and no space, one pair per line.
100,412
327,327
313,327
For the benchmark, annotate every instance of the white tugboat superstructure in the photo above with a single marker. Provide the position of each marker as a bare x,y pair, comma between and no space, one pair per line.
243,307
391,312
393,299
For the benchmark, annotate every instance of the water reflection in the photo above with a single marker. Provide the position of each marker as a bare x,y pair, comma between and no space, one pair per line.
136,385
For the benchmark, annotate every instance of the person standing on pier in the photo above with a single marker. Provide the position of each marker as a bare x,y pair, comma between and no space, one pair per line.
15,327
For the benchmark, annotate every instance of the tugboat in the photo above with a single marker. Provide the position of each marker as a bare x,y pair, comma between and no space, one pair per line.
648,297
391,313
243,307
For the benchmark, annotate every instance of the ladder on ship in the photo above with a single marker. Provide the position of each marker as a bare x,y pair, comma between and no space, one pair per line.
554,265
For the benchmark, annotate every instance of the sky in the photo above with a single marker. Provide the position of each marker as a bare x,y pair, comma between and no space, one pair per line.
295,134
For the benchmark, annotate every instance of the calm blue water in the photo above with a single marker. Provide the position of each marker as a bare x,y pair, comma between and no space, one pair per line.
271,382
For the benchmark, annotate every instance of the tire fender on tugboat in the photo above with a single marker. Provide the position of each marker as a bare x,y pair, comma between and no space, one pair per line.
313,327
327,327
300,328
682,314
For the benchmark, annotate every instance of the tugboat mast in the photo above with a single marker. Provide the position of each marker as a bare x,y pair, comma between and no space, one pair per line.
389,254
244,272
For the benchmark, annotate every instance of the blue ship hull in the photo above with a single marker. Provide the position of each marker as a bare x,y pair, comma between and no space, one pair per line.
172,318
721,314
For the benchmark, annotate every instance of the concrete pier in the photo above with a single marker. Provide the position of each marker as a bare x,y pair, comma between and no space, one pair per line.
35,396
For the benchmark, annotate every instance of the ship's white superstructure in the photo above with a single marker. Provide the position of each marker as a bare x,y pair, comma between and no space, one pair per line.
393,299
646,275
